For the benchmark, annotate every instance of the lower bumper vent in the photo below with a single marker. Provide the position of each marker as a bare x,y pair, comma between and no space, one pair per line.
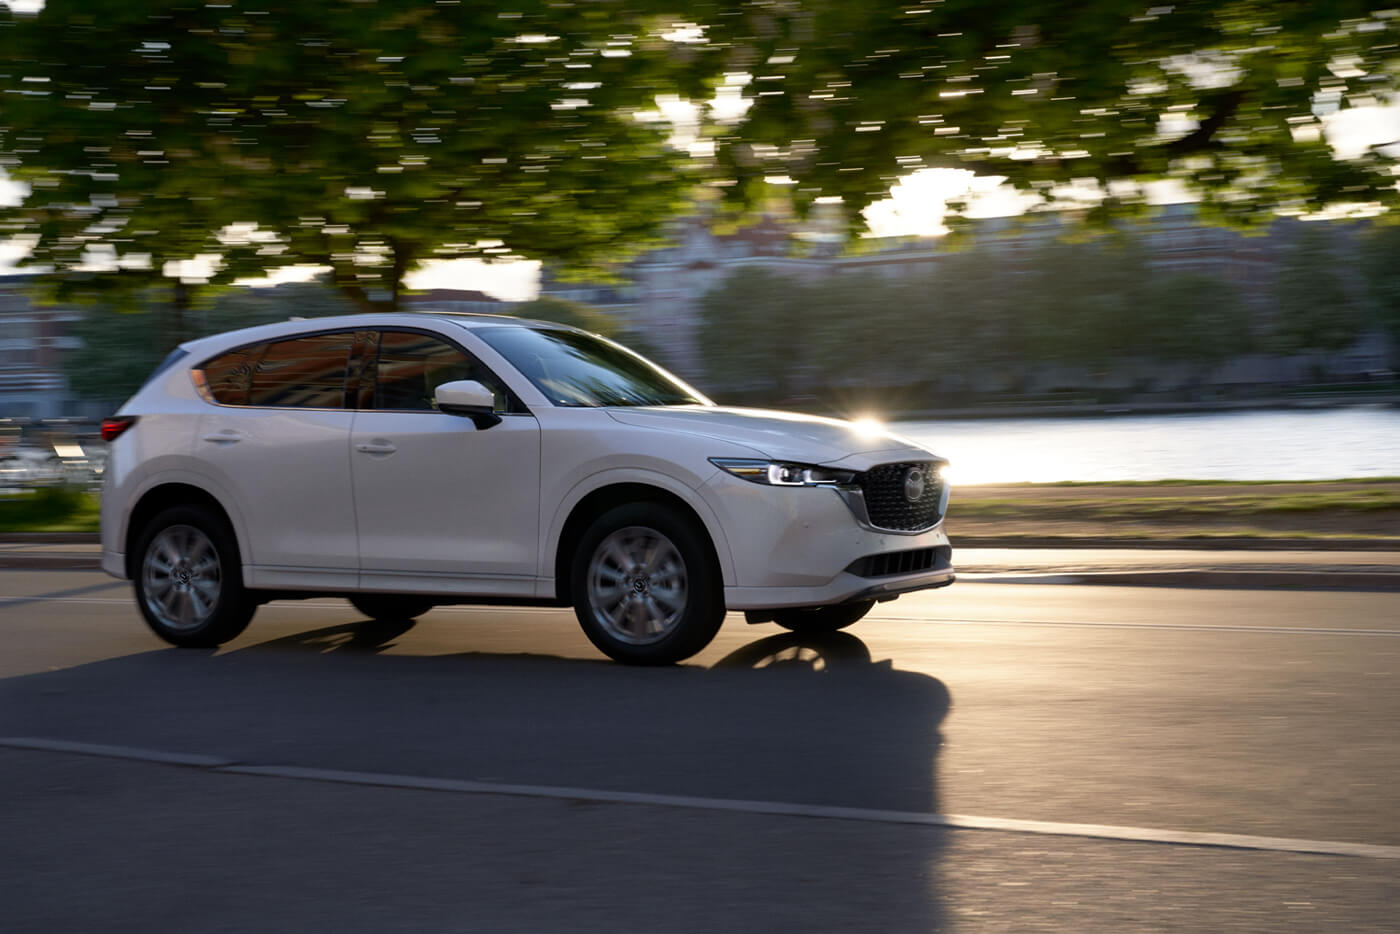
902,562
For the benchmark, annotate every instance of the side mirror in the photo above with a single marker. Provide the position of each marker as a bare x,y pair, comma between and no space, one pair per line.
468,398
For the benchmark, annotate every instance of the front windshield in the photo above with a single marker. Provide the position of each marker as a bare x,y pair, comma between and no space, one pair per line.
577,369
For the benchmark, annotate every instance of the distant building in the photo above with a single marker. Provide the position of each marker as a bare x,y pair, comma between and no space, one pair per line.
33,341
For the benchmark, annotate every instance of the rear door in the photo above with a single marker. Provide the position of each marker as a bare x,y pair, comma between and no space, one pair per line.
278,438
440,504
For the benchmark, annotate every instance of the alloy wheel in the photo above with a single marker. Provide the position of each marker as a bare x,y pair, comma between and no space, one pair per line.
637,585
182,577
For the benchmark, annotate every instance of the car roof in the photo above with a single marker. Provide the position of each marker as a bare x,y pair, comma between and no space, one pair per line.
365,321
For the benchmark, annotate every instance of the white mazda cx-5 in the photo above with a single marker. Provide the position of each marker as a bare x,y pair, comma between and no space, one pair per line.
407,460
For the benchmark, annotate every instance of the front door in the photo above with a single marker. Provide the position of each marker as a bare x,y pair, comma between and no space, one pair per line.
441,505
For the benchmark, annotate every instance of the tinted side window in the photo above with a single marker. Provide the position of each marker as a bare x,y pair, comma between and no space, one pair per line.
410,366
304,372
227,376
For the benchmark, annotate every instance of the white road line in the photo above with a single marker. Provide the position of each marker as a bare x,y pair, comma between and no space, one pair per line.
116,752
769,808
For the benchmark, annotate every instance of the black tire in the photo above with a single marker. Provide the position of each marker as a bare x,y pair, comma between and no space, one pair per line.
189,579
822,618
665,611
390,606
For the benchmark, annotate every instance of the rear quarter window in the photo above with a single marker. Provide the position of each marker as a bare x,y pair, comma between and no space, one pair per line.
226,378
301,372
305,372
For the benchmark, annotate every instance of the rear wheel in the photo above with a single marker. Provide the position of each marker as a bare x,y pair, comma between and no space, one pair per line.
646,586
822,618
390,606
189,582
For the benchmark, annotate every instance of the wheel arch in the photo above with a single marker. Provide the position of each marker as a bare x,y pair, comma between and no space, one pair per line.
599,500
161,497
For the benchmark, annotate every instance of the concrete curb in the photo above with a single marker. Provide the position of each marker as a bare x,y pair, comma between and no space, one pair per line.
50,538
1204,579
61,562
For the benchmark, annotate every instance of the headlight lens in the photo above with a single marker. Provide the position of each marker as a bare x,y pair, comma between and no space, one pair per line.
782,473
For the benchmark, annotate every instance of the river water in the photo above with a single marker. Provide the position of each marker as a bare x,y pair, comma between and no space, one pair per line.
1322,444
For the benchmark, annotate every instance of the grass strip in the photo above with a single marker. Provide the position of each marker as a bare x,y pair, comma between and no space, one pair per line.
1163,507
49,509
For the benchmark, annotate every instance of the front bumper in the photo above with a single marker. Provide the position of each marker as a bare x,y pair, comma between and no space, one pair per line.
845,589
803,546
114,563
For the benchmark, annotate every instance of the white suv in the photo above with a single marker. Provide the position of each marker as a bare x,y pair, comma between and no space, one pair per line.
409,460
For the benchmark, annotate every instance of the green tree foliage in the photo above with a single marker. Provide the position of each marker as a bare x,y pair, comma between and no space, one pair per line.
1315,309
574,314
1380,248
118,351
867,332
756,332
372,136
1094,305
975,296
837,322
1224,97
367,137
1081,302
1195,318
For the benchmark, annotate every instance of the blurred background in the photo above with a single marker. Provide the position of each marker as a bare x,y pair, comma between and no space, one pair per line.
1130,264
1115,244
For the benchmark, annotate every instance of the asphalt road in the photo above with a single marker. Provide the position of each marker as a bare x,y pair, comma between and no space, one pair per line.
485,770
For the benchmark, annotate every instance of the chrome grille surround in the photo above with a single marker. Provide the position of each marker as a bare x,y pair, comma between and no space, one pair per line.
877,498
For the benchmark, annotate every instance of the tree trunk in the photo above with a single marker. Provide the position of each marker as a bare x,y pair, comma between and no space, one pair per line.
177,330
361,299
401,262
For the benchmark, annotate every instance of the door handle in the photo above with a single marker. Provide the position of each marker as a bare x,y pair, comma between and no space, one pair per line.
377,446
227,436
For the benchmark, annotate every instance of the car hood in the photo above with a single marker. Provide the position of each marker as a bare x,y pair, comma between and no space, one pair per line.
808,439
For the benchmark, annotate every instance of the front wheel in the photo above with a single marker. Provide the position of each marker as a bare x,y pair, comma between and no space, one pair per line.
189,583
646,585
822,618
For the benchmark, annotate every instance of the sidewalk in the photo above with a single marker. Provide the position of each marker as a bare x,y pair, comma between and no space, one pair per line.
1290,565
44,551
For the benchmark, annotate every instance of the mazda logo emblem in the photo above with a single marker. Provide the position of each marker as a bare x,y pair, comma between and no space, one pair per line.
914,482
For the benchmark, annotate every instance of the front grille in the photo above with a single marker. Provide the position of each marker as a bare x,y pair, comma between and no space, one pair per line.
900,562
886,503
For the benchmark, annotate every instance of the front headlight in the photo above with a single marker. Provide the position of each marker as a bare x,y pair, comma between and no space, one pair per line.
782,473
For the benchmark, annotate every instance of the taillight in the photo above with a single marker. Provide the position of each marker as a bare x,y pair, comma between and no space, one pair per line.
113,427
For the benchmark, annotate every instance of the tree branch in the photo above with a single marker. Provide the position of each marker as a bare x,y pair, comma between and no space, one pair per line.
1203,136
1200,139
